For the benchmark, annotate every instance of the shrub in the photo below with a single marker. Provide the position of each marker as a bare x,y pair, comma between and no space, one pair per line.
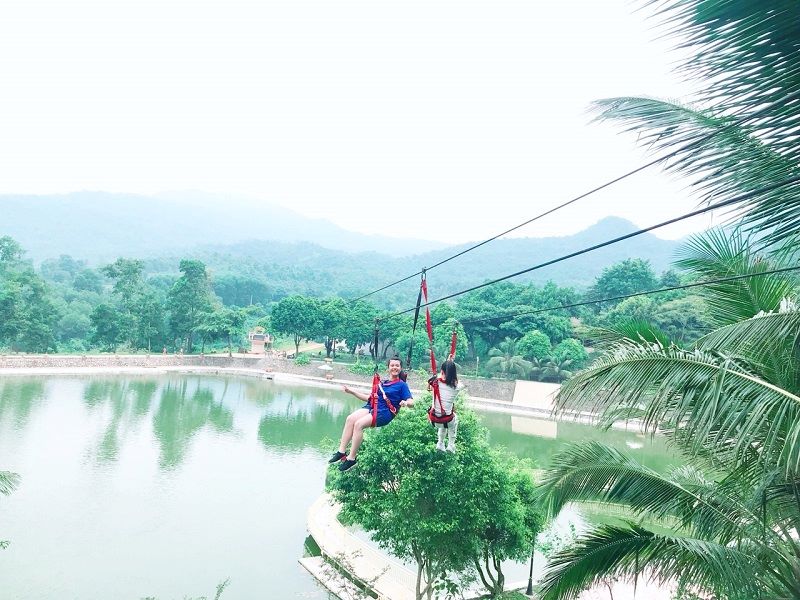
302,359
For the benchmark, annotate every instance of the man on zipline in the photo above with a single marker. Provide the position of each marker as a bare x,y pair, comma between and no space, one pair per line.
381,406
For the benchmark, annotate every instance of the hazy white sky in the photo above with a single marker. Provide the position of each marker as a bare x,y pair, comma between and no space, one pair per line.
440,119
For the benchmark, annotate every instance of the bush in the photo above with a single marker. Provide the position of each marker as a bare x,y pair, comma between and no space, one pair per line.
302,359
361,368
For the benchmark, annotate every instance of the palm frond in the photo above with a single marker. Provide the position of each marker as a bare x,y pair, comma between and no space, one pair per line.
717,254
771,340
8,482
633,330
632,551
735,160
709,399
594,472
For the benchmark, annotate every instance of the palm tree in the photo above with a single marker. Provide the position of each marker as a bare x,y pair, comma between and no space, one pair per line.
746,63
556,369
538,369
506,360
726,525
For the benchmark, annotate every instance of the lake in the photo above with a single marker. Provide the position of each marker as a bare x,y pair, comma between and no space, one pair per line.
164,486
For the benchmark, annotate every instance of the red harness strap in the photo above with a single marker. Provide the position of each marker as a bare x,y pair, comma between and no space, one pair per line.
377,389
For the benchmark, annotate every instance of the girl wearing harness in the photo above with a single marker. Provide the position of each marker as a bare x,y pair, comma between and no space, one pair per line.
381,406
442,413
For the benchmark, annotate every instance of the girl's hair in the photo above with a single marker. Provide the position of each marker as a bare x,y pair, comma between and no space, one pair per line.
449,372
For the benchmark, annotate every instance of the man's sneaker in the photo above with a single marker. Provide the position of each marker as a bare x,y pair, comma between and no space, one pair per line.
337,456
440,447
347,464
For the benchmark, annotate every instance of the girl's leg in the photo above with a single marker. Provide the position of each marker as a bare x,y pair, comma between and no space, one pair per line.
440,437
349,424
359,425
452,430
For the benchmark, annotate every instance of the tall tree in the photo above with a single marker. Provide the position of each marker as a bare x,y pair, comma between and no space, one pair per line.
189,300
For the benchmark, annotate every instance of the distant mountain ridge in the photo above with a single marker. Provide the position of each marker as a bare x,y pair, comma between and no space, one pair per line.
100,226
288,252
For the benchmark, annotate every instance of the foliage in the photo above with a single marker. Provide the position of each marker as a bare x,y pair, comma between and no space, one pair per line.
724,524
535,345
573,351
739,134
361,368
302,359
297,316
8,480
217,594
626,277
189,299
505,360
484,509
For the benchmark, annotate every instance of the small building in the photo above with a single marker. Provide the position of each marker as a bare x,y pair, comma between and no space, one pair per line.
260,341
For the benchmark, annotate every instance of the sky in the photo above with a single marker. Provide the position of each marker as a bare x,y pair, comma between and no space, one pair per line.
443,120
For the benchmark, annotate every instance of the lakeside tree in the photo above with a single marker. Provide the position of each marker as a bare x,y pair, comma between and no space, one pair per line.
447,512
626,277
297,316
189,300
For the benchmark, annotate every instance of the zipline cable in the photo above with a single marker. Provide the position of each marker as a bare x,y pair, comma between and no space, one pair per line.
631,295
621,238
673,153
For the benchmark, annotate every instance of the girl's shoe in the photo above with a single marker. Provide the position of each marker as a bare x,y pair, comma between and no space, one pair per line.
347,464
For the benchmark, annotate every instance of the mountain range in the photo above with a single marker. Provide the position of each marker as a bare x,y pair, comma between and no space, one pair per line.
292,253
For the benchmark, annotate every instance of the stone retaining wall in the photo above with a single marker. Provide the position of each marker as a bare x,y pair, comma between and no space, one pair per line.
482,388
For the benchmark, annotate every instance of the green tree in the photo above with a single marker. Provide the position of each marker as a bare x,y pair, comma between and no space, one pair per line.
224,322
505,359
399,498
108,327
297,316
189,300
573,351
27,314
534,345
360,325
333,316
725,524
626,277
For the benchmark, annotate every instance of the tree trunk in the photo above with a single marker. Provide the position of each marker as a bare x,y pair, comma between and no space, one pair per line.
230,349
297,339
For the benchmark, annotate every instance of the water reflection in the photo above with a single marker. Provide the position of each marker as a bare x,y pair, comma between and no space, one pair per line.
182,412
18,397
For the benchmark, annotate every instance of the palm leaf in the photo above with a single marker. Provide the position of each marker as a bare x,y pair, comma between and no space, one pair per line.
709,399
633,330
8,482
631,551
717,254
721,156
771,340
594,472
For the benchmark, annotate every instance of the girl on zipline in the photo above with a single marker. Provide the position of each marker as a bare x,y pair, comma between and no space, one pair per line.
391,395
441,413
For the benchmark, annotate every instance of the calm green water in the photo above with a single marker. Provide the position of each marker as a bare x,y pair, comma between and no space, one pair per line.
165,486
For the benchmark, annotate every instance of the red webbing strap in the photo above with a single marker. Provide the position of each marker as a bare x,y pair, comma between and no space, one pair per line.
453,341
373,397
429,327
388,402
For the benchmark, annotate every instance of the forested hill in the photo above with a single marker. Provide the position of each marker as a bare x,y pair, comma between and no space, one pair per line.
98,227
309,269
